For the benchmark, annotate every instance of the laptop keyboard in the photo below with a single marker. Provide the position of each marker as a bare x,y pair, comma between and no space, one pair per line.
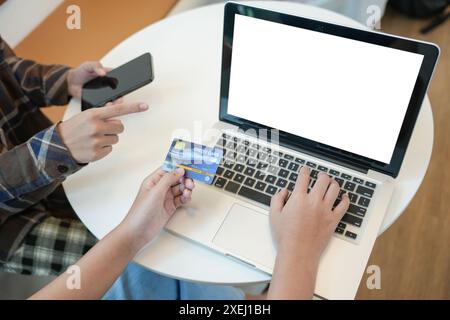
257,173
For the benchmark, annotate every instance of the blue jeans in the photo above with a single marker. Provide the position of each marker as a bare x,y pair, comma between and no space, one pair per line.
139,283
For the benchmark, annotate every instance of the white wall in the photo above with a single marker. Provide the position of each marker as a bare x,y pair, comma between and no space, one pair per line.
19,17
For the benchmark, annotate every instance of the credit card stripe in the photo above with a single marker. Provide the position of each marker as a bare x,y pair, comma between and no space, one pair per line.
195,170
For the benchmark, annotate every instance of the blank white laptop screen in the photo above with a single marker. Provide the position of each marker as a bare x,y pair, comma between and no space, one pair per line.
344,93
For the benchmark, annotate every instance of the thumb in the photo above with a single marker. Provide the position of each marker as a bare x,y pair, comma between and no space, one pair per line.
278,200
170,179
95,66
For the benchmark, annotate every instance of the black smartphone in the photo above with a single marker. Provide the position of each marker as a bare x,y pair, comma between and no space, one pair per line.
118,82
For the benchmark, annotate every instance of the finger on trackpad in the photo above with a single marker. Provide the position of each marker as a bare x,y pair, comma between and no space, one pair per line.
246,233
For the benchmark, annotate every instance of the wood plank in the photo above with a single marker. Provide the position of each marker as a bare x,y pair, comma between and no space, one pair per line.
414,254
104,24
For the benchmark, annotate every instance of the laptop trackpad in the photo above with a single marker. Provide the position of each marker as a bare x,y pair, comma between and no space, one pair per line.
246,233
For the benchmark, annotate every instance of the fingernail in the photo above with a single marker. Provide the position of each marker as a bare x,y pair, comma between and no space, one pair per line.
179,170
143,106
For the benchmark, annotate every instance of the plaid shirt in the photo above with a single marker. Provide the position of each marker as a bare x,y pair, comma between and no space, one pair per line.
33,158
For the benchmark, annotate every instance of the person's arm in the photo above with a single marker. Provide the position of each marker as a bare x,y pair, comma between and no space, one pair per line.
302,226
54,84
32,170
159,196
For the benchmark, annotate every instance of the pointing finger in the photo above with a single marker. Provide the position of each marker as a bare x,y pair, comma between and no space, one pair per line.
116,110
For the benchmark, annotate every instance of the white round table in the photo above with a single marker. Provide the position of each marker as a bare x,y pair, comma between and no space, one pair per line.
184,100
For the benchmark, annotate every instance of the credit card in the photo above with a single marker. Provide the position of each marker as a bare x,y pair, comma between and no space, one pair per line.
199,162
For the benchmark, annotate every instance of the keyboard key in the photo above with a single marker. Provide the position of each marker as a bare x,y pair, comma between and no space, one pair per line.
260,175
281,183
346,176
293,176
314,174
358,180
232,186
228,164
249,171
250,182
334,172
283,163
231,156
272,170
351,235
271,189
220,182
350,186
288,156
283,173
246,143
262,165
219,170
239,167
240,158
300,161
221,142
260,185
228,174
241,149
364,191
357,210
364,202
293,166
272,159
277,153
271,179
262,156
231,145
322,168
353,197
266,149
251,162
370,184
339,230
255,195
339,181
342,225
310,164
355,221
291,186
239,178
252,153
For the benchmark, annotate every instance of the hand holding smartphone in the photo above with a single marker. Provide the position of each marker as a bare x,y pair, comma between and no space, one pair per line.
118,82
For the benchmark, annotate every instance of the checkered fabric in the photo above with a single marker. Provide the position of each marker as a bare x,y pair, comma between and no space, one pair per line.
50,247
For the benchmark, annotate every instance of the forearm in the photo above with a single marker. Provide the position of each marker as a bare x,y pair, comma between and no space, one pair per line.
99,268
31,171
294,276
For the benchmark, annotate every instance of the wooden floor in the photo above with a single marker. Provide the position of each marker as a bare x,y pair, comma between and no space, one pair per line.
414,254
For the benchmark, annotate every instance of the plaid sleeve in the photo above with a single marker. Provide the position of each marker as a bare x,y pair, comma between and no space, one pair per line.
36,168
43,84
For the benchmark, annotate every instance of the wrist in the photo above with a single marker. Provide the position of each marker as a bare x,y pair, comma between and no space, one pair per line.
298,255
130,240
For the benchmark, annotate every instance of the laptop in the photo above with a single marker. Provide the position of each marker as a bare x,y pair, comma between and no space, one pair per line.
299,92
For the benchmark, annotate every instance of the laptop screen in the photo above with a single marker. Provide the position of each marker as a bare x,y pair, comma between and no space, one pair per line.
344,93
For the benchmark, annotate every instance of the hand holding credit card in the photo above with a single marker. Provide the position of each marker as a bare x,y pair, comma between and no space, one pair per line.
199,162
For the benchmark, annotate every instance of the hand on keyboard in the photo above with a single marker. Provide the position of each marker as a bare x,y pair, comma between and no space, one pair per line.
303,224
